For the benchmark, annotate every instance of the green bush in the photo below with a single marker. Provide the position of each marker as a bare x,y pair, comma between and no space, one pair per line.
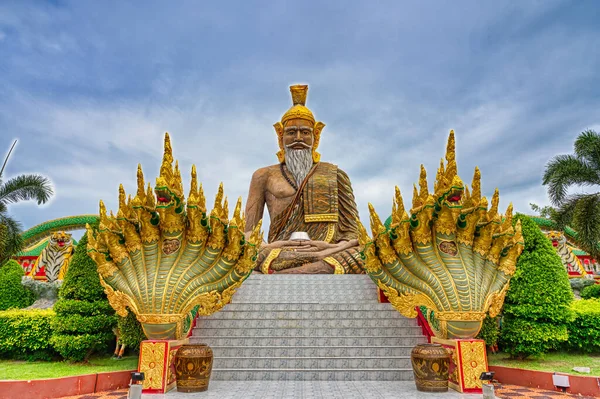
584,331
12,293
592,291
489,331
84,319
130,332
25,334
537,308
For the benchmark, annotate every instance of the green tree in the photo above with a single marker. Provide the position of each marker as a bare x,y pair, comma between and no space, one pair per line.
84,318
12,293
580,211
537,306
17,189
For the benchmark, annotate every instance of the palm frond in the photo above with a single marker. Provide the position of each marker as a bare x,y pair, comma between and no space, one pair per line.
12,242
26,187
7,157
564,171
586,221
587,148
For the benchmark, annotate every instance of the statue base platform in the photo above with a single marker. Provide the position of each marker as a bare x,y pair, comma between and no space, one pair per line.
468,361
157,362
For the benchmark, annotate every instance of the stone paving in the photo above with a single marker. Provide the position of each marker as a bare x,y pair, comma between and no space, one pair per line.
329,389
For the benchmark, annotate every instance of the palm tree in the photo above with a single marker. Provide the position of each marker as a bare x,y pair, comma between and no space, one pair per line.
582,210
16,189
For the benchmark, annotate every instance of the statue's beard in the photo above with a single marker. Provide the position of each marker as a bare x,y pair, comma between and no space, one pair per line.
299,162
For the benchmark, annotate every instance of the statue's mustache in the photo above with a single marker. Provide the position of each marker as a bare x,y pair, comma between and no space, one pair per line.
295,143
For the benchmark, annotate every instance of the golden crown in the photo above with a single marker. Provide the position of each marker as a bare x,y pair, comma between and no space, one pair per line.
298,110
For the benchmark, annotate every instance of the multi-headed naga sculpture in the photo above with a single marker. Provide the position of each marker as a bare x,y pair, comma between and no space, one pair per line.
167,261
451,255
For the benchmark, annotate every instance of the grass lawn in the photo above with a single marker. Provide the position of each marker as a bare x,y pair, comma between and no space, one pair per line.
559,361
22,370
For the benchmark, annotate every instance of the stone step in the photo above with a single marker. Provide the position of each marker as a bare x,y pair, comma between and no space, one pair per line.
303,315
350,298
307,332
308,351
297,278
284,340
304,323
310,363
311,375
331,281
310,307
309,328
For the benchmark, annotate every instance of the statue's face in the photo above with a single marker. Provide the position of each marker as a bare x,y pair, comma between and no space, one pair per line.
298,134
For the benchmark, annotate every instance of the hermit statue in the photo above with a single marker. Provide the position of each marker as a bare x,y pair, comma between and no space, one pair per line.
306,199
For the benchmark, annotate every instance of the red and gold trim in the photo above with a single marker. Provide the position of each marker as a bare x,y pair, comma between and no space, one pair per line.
157,364
468,361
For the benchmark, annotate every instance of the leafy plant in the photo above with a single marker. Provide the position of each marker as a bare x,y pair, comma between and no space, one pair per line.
84,319
489,331
584,330
25,334
580,211
12,293
17,189
592,291
130,332
537,306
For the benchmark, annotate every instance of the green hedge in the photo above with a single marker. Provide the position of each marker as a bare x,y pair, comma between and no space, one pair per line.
489,331
84,319
592,291
537,308
130,332
25,334
584,331
12,293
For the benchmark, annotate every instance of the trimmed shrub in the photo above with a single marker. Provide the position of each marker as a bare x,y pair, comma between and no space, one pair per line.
584,331
25,334
12,293
537,308
84,319
130,332
489,331
592,291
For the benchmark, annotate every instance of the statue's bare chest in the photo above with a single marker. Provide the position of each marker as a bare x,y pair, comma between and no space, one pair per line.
279,192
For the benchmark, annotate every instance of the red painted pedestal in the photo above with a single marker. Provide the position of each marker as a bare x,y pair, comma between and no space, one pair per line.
468,361
157,364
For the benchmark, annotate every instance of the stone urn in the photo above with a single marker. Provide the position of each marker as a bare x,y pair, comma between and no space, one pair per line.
430,363
193,365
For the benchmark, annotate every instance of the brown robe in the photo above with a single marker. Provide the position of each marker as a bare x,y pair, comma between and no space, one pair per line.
325,208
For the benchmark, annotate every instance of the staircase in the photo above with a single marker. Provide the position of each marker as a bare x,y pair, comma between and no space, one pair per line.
309,327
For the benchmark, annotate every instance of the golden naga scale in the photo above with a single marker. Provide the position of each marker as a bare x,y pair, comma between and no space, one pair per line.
451,254
167,261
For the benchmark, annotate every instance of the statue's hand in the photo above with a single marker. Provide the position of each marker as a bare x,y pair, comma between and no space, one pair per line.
318,246
285,245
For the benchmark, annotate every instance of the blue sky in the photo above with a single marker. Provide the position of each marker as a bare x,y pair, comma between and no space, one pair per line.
89,88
